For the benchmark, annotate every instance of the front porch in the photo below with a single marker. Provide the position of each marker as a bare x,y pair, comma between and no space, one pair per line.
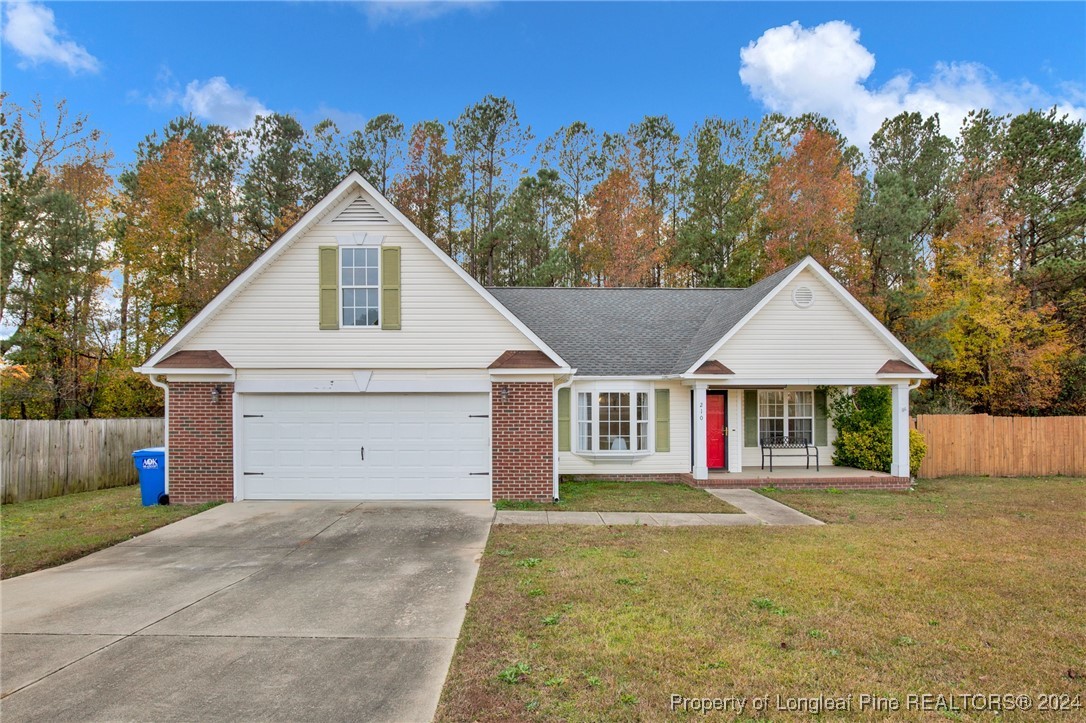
801,478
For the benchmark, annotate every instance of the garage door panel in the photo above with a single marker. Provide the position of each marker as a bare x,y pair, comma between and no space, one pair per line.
417,446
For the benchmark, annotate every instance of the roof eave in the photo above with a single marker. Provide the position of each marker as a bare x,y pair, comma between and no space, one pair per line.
227,374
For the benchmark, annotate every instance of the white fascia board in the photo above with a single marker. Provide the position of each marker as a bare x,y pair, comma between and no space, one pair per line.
748,382
843,294
456,268
549,371
220,374
295,386
432,386
869,318
905,376
268,256
749,315
621,378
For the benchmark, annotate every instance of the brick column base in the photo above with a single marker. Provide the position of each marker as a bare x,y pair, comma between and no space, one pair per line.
200,457
522,431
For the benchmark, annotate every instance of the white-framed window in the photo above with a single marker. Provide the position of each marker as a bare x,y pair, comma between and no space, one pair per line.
784,413
359,286
613,421
584,422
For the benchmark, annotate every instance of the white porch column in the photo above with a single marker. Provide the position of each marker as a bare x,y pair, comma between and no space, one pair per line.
735,430
701,465
899,464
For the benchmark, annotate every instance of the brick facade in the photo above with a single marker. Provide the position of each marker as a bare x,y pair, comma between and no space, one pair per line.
898,484
522,430
673,477
200,460
752,482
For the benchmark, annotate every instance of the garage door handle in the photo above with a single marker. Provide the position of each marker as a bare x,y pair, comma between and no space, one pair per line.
362,451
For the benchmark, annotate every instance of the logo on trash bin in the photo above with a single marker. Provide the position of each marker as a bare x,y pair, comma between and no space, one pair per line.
150,463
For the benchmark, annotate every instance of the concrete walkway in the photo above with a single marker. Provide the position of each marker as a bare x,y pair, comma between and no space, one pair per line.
770,512
756,510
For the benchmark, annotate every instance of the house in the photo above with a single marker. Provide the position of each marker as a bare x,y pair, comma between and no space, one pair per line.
356,360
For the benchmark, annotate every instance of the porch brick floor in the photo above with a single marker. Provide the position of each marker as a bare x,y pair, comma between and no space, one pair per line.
757,510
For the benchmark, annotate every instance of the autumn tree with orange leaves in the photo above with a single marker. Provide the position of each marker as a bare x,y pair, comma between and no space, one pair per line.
428,189
612,238
809,208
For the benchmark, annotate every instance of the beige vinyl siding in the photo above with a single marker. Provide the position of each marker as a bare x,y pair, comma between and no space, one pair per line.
673,462
273,322
826,341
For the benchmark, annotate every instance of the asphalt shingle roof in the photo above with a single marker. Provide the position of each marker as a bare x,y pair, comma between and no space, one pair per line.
629,332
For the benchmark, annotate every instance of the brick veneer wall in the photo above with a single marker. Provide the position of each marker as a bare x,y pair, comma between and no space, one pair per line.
675,478
742,482
812,483
201,452
522,430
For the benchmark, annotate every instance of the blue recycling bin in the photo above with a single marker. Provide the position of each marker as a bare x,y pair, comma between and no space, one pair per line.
151,464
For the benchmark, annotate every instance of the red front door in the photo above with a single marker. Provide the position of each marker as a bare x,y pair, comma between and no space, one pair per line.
715,422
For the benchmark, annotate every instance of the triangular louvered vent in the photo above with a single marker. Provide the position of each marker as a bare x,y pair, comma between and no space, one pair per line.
360,210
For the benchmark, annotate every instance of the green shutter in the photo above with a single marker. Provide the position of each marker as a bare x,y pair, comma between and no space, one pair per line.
663,420
390,287
750,418
563,420
820,418
329,286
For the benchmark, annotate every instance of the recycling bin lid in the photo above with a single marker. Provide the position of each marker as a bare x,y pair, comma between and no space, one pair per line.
150,450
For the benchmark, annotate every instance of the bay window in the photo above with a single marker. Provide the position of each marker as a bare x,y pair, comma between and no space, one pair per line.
786,414
613,421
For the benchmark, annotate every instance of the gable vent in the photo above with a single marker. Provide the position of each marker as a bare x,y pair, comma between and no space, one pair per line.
360,210
802,296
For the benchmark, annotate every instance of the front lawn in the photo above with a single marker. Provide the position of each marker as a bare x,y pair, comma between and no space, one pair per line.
595,496
962,586
44,533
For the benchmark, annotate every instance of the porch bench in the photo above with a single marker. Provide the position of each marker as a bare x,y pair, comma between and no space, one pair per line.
801,448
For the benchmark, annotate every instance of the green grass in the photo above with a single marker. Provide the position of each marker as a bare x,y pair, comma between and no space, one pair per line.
596,496
962,586
43,533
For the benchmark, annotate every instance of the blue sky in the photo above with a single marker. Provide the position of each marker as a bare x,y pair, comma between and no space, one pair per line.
132,66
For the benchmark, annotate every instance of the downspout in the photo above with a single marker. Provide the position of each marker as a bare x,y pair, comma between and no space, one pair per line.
153,378
554,407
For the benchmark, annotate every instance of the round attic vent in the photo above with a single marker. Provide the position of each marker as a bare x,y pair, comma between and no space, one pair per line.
802,296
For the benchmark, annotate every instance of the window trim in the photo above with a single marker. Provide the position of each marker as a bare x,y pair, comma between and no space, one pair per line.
633,388
785,416
340,286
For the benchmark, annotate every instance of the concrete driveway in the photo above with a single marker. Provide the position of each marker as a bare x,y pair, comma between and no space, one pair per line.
250,611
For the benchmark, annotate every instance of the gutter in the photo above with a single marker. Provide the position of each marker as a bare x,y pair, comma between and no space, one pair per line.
153,378
565,384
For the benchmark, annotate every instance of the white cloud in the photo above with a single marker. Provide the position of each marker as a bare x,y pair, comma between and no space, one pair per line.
345,120
217,101
165,94
795,70
390,12
30,29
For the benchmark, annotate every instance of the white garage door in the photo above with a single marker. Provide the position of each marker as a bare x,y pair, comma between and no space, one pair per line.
365,446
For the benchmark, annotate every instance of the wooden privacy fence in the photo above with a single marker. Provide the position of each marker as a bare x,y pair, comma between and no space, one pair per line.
49,458
976,444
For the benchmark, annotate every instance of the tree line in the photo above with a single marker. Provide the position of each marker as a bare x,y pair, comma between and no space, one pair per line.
971,250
